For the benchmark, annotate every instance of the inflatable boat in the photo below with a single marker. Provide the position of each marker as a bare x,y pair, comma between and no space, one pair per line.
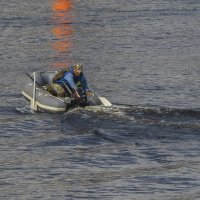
35,92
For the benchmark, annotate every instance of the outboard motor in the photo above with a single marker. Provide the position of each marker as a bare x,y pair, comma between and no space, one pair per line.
83,98
82,101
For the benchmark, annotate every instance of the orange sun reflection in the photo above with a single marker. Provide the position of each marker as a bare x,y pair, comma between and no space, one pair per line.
62,31
61,5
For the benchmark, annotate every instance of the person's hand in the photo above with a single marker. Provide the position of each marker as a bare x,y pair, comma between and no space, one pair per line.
77,96
89,93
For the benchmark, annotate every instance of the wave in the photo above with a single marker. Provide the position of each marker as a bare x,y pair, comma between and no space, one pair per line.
124,124
155,110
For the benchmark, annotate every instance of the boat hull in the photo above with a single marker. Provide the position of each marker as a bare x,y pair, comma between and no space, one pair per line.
45,101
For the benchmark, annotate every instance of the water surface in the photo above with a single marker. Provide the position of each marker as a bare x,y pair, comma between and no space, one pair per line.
144,57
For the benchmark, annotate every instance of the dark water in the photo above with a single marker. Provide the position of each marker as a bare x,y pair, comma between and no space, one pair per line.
144,57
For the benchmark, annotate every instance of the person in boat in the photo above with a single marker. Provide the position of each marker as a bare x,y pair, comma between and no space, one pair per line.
69,82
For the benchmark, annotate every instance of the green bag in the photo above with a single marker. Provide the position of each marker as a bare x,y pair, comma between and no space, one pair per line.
60,74
56,90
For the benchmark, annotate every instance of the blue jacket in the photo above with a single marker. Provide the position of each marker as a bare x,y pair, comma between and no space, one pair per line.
73,81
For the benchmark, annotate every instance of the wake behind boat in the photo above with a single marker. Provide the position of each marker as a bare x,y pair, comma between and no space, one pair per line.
35,92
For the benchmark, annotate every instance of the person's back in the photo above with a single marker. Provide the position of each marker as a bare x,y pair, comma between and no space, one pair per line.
60,74
68,81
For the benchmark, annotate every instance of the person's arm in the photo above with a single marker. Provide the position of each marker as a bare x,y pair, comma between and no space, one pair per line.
69,78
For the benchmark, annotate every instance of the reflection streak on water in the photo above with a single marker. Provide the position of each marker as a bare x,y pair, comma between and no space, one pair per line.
62,31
